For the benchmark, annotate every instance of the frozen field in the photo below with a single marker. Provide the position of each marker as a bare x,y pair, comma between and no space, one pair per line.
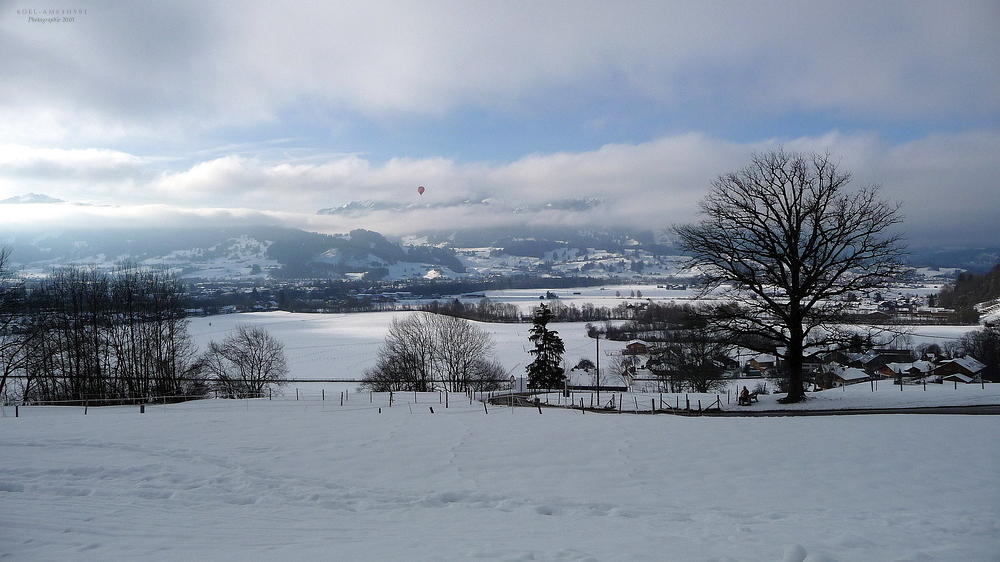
312,480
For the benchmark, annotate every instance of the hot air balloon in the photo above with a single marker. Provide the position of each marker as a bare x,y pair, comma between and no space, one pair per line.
421,190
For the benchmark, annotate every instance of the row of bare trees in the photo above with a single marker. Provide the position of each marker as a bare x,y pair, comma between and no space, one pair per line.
424,352
121,336
88,334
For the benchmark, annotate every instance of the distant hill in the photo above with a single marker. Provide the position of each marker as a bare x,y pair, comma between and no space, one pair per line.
30,198
288,253
223,252
971,259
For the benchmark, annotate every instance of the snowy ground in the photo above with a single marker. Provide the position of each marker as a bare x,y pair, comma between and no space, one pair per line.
314,479
342,346
297,480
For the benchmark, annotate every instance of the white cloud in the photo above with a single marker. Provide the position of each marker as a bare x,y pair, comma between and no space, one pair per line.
173,68
946,182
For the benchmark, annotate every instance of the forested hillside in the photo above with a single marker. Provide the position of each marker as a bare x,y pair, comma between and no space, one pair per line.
970,289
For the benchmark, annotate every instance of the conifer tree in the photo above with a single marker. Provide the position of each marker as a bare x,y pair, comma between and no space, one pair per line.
546,370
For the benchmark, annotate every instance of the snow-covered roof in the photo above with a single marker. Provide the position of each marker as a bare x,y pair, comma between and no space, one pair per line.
918,366
970,364
852,374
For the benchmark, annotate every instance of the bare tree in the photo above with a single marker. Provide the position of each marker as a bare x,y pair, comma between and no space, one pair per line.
246,363
623,369
406,359
697,358
788,243
15,330
423,349
462,349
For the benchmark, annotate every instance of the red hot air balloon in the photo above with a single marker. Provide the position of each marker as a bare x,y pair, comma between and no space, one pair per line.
421,190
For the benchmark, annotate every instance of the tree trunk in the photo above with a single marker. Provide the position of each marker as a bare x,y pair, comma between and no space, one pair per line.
794,361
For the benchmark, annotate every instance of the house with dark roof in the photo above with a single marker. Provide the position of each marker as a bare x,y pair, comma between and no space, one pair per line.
961,369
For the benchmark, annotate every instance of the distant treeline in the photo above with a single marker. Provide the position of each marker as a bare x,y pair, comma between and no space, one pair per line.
641,319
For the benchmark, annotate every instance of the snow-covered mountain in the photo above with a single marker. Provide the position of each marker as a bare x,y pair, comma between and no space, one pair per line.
30,198
272,252
285,253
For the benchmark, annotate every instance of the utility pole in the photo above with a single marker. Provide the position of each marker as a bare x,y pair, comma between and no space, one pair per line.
597,341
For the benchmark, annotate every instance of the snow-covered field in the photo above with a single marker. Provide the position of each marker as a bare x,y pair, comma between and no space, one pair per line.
342,346
305,480
312,479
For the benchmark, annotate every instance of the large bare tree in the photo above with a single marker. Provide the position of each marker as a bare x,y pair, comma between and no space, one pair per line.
788,242
246,363
423,350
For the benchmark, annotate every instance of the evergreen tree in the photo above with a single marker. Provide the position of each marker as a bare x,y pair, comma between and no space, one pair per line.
546,370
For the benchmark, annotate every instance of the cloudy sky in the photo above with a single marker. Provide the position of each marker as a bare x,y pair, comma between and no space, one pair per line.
177,112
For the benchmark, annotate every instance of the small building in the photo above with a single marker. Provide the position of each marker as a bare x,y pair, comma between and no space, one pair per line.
636,347
834,375
872,361
762,362
849,375
914,370
966,366
959,377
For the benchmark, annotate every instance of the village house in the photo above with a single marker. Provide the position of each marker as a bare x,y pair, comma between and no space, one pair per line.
960,369
834,375
636,347
873,360
914,370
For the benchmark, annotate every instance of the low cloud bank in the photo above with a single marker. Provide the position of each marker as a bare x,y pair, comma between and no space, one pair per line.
947,184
